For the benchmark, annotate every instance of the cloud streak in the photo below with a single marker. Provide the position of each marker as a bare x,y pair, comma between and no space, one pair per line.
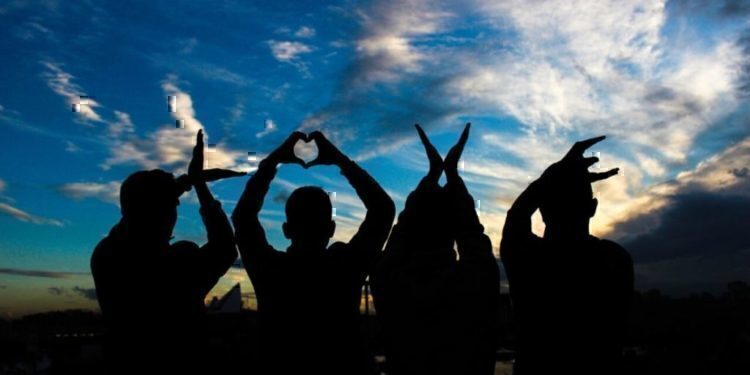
42,273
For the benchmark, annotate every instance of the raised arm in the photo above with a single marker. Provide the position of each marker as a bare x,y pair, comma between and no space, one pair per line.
251,238
472,244
218,254
373,231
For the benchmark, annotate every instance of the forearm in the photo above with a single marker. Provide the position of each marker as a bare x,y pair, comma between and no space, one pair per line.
249,232
257,186
373,196
464,208
204,194
518,219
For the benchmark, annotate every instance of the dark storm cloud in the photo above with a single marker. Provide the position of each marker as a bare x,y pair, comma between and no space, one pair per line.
88,293
694,225
744,80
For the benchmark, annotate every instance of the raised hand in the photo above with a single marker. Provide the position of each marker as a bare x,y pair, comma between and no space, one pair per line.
328,154
436,161
197,174
575,164
195,168
285,152
451,160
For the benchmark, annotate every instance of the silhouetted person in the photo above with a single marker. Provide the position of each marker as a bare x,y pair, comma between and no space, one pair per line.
439,314
570,290
309,296
151,292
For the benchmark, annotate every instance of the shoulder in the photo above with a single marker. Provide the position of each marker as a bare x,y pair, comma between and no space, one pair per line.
184,248
338,247
615,251
101,253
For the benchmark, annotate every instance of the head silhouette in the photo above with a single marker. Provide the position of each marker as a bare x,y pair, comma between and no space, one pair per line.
434,223
308,218
148,202
569,203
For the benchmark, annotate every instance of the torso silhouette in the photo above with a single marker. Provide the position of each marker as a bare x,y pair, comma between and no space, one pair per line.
152,294
570,301
439,314
308,299
308,306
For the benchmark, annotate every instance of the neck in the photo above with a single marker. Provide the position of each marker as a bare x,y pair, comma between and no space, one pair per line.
572,231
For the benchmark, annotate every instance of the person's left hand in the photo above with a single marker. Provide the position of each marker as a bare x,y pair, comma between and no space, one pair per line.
328,154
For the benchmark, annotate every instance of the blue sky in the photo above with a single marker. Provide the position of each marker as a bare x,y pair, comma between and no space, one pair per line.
668,82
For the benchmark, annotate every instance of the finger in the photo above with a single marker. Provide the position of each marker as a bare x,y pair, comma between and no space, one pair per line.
587,162
422,135
464,136
581,146
455,153
318,137
294,137
603,175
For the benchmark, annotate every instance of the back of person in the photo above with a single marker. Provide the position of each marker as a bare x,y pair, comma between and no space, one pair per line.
570,302
570,290
438,306
153,313
308,296
309,310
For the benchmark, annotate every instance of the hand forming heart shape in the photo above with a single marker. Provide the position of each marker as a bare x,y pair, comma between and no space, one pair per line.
306,149
300,149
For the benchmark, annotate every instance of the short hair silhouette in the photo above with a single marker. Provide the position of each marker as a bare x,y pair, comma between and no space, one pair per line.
148,202
433,226
143,191
308,216
571,200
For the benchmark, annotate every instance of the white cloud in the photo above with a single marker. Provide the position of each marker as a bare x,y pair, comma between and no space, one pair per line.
269,127
386,49
305,32
62,83
169,146
286,51
3,185
27,217
106,192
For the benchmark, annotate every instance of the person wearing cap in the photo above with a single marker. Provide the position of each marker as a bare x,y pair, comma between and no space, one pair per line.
151,292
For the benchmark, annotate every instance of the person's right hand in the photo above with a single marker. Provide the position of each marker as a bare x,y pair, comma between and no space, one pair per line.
436,161
454,155
285,152
574,164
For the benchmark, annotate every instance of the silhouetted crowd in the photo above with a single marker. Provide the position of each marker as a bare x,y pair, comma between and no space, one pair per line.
434,277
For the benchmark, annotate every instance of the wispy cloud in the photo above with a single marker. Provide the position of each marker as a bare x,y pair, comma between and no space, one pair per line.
268,128
170,145
61,82
305,32
286,51
290,52
24,216
42,273
106,192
